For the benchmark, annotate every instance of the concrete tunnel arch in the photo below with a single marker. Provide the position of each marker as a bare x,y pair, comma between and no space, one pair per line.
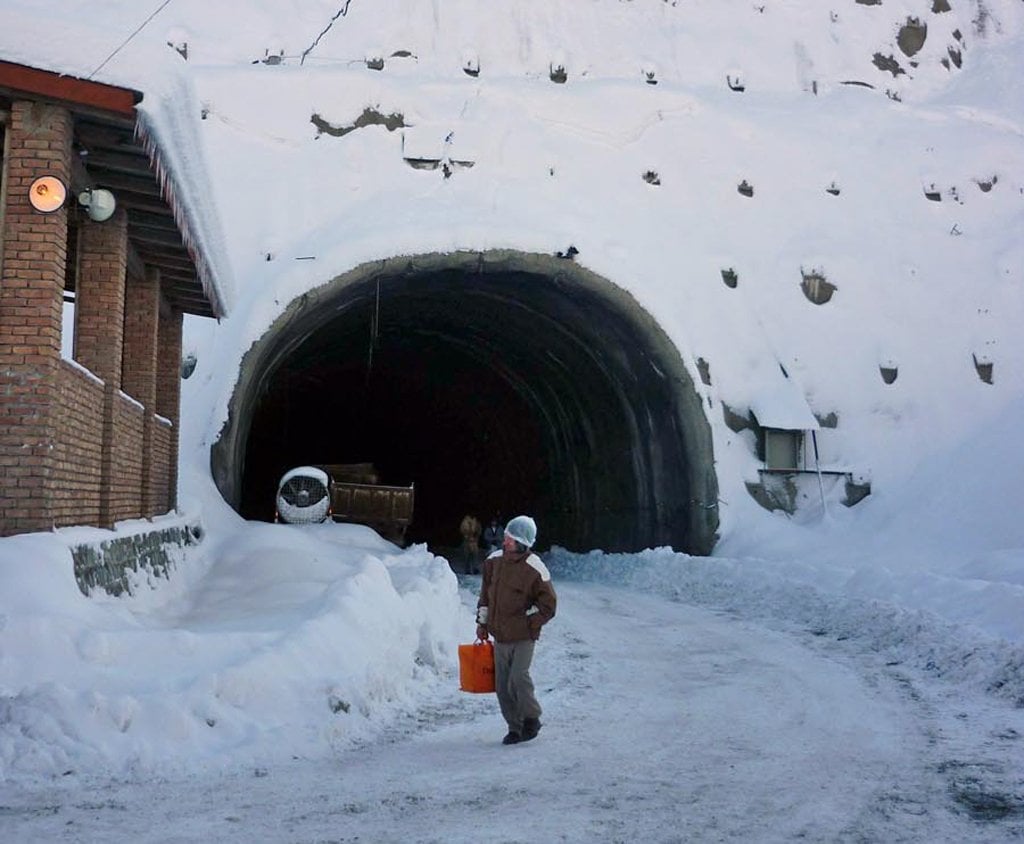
498,382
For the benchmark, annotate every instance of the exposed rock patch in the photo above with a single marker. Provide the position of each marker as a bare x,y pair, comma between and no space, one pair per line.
912,36
369,117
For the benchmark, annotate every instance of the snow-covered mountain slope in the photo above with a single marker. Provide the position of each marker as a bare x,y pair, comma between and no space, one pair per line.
873,151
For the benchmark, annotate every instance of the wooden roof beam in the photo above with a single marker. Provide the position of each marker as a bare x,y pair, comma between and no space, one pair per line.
68,89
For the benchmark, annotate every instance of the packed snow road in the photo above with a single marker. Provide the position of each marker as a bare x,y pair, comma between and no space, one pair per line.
663,722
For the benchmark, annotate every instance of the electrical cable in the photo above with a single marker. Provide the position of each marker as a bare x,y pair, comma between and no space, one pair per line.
339,14
126,40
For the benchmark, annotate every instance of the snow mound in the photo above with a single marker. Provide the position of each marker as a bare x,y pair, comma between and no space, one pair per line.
273,640
766,591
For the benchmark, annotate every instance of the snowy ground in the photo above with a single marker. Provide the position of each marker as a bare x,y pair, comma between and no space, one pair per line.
664,720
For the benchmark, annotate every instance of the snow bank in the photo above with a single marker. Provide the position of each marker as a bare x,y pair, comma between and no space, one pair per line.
823,602
267,641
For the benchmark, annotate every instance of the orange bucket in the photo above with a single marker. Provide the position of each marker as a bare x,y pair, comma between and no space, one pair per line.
476,667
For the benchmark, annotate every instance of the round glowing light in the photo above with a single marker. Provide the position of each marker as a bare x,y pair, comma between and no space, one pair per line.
47,194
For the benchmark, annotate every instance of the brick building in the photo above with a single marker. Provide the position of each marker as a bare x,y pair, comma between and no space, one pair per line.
89,406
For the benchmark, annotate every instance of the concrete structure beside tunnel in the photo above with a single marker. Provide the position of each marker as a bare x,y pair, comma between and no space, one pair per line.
498,382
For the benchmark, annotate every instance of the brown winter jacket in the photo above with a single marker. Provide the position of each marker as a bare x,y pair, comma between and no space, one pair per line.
516,598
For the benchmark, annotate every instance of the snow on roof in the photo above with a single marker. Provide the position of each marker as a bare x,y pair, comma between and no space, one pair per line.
86,46
168,133
783,406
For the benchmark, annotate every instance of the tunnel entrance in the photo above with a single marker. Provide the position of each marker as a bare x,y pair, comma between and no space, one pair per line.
497,382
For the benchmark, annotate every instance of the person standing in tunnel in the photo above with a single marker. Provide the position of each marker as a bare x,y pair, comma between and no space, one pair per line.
470,530
492,535
516,600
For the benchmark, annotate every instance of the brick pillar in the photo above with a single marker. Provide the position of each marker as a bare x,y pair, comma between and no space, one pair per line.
107,467
138,368
99,339
31,292
168,389
102,260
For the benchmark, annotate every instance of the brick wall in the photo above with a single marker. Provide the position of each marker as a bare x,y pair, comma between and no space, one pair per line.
78,448
31,291
100,297
73,448
168,388
126,455
141,312
78,456
161,474
138,367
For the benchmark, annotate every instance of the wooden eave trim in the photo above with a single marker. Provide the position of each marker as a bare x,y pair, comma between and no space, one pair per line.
68,89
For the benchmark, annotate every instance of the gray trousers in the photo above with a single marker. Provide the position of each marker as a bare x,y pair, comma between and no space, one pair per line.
513,683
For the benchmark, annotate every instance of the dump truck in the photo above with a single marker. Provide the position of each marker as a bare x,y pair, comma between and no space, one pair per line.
345,492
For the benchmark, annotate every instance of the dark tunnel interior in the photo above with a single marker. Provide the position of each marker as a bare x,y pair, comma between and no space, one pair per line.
503,391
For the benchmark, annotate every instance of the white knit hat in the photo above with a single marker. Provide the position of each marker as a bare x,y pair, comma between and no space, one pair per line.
523,530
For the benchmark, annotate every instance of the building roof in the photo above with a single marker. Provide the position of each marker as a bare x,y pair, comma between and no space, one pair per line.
116,149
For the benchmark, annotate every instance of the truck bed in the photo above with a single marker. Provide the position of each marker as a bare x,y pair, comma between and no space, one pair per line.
387,509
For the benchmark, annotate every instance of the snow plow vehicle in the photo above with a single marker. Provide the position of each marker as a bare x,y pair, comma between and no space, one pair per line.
345,492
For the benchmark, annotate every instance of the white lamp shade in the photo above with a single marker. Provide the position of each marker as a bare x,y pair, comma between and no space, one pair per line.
47,194
99,203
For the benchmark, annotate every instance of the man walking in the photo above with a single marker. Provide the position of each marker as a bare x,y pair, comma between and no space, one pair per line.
516,600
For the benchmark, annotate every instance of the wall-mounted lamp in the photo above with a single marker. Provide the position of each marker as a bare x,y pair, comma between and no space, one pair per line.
47,194
99,203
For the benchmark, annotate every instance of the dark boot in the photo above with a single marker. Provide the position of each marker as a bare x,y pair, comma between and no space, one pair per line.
512,738
531,726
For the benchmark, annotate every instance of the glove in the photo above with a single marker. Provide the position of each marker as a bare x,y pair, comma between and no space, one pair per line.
481,632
